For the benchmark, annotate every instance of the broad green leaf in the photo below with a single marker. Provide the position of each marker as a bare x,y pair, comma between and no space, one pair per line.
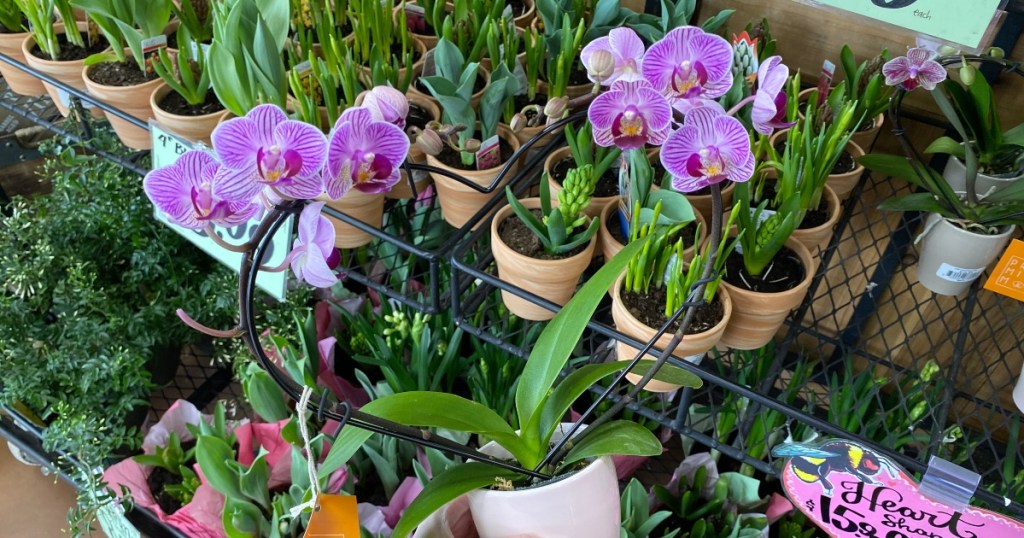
742,489
559,338
242,519
674,206
445,488
213,455
921,201
619,437
343,448
891,165
254,482
265,395
670,374
568,390
945,144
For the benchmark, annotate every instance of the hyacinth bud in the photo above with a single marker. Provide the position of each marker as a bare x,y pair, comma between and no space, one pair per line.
429,142
602,65
997,52
930,369
967,73
472,145
518,122
555,108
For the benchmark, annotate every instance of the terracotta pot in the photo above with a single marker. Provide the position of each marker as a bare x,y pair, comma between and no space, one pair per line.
554,280
69,73
133,100
756,317
194,128
366,74
19,81
401,190
583,503
816,239
691,348
473,100
866,138
596,204
610,246
526,19
368,208
843,184
955,174
460,202
951,258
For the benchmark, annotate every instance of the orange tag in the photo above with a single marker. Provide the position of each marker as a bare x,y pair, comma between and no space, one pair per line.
1008,276
334,516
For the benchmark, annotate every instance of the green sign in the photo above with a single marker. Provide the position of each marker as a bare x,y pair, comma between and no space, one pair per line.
167,147
963,22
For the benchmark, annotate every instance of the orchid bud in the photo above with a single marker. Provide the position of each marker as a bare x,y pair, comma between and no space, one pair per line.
555,108
967,74
518,122
472,145
386,104
602,64
334,259
947,50
997,52
429,142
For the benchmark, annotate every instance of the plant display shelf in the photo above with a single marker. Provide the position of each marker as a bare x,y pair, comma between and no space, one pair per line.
864,314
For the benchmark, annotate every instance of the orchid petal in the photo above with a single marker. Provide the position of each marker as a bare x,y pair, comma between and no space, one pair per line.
604,109
236,184
308,141
311,266
266,118
308,222
236,141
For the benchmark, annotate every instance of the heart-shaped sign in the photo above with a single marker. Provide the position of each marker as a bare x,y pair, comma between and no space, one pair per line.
851,491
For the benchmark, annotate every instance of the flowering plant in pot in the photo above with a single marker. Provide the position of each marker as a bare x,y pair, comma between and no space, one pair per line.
14,28
964,231
384,51
545,249
579,152
540,405
123,76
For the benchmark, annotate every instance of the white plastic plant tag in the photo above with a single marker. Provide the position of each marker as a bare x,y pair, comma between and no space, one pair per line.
765,215
114,522
828,70
429,69
489,155
625,196
65,99
304,69
695,359
154,44
197,46
953,273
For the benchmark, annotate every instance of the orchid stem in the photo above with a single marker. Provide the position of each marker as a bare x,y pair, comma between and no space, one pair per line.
732,111
187,320
212,234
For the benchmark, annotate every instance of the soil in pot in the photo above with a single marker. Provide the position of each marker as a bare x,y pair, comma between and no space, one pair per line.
453,158
418,117
785,272
519,7
174,103
649,308
119,74
158,480
607,185
521,239
844,165
70,52
614,225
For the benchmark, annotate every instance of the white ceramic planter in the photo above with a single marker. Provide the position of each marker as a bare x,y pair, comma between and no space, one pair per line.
1018,392
951,258
585,503
956,175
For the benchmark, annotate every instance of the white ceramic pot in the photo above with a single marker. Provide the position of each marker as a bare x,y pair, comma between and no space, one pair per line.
951,258
956,175
585,503
1018,392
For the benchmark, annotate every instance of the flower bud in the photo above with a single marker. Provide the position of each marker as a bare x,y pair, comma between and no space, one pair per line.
555,108
518,122
334,259
997,52
602,65
967,74
947,50
472,145
429,142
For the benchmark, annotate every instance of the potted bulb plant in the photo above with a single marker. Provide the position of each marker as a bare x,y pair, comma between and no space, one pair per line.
581,151
864,85
545,249
186,104
14,30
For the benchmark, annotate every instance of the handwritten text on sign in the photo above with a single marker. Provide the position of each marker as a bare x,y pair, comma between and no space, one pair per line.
167,147
957,21
855,491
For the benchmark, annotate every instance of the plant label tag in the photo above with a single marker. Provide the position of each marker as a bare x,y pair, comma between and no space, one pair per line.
429,68
114,522
304,69
154,44
625,197
520,75
953,273
334,516
828,70
489,154
65,99
850,490
1008,276
167,146
196,47
416,18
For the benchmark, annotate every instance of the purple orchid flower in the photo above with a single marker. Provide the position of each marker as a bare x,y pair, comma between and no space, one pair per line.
688,65
769,110
625,47
189,193
709,148
386,104
917,68
364,154
264,149
313,251
630,115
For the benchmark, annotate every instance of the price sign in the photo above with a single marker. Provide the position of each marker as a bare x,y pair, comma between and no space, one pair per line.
167,147
850,490
1008,276
964,22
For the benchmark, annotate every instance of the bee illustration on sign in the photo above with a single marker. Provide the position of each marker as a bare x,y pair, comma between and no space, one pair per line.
813,464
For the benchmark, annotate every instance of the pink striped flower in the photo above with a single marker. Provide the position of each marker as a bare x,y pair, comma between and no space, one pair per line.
630,115
190,194
689,65
917,68
363,154
626,49
709,148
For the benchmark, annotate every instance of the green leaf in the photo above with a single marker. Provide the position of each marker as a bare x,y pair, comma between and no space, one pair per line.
945,144
619,437
742,489
254,482
242,519
559,338
343,448
571,387
920,201
212,454
674,206
670,374
265,395
445,488
891,165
